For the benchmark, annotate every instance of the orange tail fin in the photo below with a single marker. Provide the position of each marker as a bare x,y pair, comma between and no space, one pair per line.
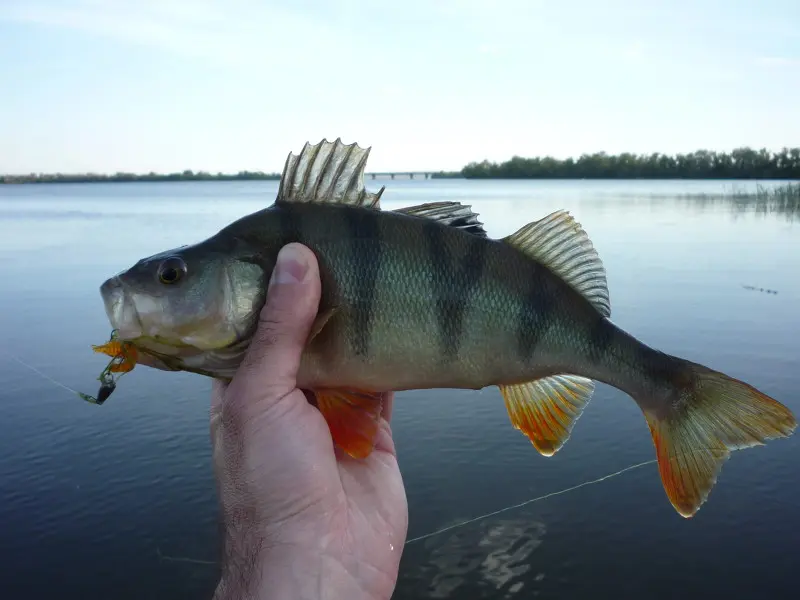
710,415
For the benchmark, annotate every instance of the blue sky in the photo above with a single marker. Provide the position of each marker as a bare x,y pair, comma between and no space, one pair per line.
162,85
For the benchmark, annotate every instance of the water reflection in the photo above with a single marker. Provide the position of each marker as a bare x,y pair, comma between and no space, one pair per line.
492,559
779,200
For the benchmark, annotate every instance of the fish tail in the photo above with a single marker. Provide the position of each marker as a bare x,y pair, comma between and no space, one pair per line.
696,417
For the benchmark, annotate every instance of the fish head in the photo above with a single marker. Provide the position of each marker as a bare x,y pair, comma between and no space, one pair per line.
181,304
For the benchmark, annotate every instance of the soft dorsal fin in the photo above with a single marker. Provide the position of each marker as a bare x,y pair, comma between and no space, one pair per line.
560,243
453,214
330,172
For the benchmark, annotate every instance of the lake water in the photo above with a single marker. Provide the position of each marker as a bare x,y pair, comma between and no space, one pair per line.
95,502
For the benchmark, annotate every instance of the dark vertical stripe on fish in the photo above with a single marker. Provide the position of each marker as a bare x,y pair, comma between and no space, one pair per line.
439,277
363,225
453,284
535,314
290,225
600,340
467,285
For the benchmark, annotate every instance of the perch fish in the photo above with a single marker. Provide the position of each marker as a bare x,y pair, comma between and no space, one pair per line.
421,298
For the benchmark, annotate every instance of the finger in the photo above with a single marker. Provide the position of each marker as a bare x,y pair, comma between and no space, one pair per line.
271,362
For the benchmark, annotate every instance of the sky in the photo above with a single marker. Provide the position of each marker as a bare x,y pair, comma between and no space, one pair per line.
168,85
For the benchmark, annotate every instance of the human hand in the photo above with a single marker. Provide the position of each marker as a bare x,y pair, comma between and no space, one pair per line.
300,519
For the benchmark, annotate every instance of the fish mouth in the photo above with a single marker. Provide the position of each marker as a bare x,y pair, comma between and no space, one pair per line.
120,310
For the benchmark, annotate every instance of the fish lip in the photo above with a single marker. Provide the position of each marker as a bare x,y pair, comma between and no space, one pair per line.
120,310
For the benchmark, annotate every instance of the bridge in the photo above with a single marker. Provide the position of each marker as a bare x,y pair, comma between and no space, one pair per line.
401,175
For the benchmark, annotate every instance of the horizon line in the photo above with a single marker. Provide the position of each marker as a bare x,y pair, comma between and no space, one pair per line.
574,158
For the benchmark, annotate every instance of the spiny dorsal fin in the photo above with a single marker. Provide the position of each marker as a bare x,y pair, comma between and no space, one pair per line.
330,172
560,243
453,214
546,409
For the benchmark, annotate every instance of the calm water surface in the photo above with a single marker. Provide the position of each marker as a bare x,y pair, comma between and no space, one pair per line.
93,498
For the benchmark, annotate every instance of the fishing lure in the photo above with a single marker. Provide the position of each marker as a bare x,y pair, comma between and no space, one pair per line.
124,357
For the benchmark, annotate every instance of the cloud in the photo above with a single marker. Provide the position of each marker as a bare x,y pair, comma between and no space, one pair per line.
236,33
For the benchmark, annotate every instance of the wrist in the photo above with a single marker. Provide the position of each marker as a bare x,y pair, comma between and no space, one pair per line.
289,573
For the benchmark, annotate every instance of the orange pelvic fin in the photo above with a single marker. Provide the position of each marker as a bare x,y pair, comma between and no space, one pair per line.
546,409
353,418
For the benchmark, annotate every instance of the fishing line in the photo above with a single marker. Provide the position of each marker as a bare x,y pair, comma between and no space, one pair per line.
531,501
416,539
468,521
37,371
115,369
185,559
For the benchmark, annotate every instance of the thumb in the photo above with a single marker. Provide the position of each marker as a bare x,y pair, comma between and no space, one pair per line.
269,368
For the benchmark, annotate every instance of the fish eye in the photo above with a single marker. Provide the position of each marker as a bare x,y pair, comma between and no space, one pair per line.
171,270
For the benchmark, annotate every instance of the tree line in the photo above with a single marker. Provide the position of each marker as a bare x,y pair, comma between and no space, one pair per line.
742,163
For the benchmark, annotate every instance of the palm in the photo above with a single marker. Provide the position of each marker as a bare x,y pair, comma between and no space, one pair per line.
352,513
360,513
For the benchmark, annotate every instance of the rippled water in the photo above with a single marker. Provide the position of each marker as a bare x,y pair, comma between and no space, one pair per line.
92,499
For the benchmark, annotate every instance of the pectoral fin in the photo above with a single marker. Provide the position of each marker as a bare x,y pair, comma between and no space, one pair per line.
320,322
353,418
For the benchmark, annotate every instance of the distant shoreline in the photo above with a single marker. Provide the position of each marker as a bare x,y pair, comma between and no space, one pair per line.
45,178
27,180
741,164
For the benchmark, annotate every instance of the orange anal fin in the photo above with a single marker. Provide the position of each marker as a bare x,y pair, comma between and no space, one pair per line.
353,418
546,409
